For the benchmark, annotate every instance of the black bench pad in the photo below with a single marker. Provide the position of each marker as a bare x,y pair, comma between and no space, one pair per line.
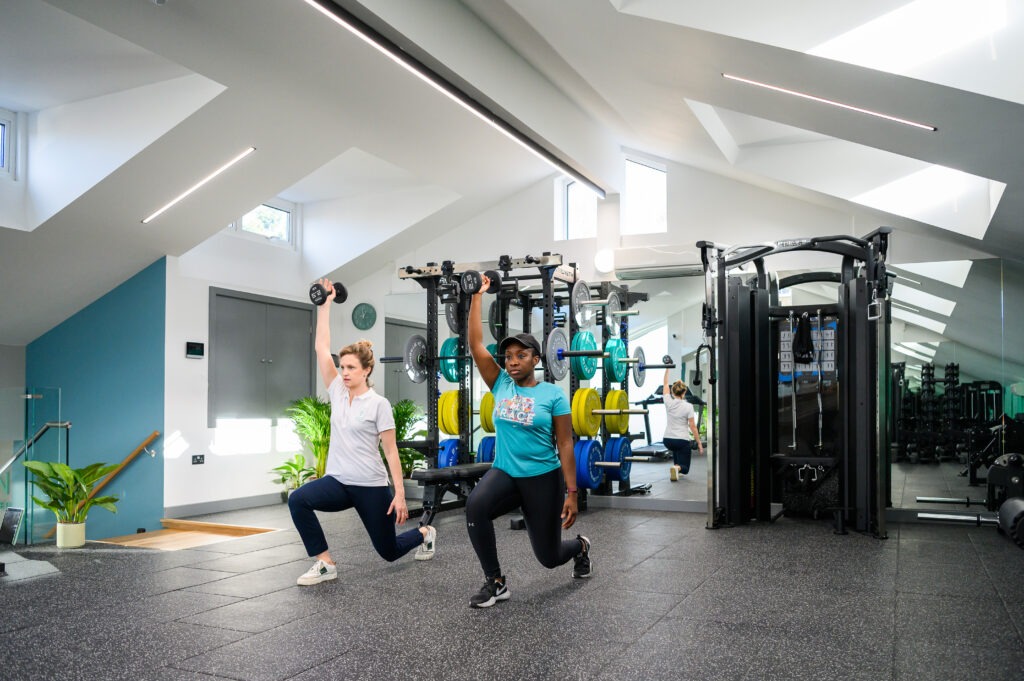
462,471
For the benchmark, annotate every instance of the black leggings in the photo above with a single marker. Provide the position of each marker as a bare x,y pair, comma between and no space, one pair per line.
540,498
681,450
371,503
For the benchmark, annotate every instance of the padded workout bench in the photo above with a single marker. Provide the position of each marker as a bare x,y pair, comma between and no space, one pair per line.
459,479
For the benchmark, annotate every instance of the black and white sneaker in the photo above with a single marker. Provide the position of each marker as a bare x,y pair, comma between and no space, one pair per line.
582,567
493,590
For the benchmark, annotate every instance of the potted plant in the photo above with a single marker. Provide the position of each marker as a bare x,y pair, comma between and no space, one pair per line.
312,418
69,491
293,473
407,415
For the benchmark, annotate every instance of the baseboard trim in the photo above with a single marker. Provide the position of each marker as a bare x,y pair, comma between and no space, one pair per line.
204,508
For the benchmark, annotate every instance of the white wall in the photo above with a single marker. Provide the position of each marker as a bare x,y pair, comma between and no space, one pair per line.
12,366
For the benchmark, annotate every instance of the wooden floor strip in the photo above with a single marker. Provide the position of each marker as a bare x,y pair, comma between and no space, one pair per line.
185,534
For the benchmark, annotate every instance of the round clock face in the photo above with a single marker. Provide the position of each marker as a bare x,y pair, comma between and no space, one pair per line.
364,316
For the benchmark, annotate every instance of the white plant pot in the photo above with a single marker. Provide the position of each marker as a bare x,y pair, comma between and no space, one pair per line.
70,535
412,489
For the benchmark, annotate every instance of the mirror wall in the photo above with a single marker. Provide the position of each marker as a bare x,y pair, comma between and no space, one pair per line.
961,313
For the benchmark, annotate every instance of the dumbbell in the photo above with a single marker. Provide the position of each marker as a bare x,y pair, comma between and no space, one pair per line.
318,294
471,281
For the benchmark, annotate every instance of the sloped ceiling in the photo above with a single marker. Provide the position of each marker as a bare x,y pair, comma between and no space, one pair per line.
331,118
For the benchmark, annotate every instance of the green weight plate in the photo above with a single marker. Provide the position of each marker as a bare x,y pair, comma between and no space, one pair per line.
613,366
584,341
449,362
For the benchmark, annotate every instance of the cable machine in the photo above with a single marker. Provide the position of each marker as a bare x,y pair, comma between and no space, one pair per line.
801,392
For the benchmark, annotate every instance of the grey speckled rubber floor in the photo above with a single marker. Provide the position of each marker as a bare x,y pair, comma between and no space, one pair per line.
668,600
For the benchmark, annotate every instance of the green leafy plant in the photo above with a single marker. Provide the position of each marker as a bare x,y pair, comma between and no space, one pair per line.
312,418
68,489
407,415
294,472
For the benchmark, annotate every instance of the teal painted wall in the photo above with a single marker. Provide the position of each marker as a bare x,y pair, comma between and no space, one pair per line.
108,362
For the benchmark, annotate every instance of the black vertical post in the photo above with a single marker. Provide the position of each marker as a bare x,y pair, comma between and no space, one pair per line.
765,391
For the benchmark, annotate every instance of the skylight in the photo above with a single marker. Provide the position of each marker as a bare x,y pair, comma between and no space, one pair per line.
920,299
910,353
919,347
919,320
947,198
952,272
915,34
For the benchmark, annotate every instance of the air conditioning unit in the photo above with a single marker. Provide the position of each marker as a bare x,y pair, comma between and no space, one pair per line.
656,262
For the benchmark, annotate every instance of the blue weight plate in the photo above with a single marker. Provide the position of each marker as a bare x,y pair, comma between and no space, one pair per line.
485,450
449,454
591,454
613,453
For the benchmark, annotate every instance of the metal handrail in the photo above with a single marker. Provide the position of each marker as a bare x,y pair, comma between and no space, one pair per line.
49,424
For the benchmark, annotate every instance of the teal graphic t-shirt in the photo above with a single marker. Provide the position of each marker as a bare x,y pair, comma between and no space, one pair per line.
523,424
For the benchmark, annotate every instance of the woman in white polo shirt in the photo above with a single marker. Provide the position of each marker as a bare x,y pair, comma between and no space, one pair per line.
355,475
680,424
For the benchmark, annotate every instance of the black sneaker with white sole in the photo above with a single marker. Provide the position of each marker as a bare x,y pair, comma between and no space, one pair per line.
582,567
493,590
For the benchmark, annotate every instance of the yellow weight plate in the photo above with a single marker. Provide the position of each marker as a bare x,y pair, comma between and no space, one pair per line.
575,412
611,421
617,399
441,425
453,412
590,422
487,412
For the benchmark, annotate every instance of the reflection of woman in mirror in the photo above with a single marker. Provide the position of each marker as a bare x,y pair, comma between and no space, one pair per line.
680,424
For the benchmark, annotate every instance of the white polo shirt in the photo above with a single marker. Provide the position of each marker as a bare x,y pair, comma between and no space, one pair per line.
679,413
353,457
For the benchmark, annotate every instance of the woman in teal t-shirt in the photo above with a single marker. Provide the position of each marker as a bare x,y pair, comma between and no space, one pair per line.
528,472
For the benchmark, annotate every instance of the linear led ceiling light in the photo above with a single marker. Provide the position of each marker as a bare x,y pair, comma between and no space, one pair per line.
832,102
201,182
382,44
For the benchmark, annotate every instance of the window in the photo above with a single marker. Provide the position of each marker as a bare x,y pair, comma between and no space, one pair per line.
7,143
274,221
645,199
577,212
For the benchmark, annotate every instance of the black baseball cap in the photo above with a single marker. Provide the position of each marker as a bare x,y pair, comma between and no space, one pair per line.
525,339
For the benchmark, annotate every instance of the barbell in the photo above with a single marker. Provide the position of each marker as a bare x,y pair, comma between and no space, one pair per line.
318,294
581,355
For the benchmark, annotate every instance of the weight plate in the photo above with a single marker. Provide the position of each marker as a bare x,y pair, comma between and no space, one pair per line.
449,362
587,366
416,358
494,322
617,399
615,451
487,412
453,411
485,450
589,423
556,343
442,413
639,366
584,314
588,473
449,454
611,320
451,315
613,366
574,412
470,281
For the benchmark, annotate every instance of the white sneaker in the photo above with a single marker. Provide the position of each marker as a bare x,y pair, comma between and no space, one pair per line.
673,474
320,572
426,549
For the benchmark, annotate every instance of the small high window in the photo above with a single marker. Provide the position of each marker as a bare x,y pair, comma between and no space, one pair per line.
274,221
7,143
645,199
577,217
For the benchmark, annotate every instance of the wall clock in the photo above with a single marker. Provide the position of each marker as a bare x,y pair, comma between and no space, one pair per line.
364,316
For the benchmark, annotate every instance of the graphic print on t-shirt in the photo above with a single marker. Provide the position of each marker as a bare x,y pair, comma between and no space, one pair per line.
518,409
